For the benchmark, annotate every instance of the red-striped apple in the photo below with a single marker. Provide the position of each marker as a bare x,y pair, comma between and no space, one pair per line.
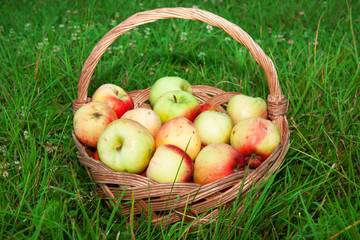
213,127
241,107
180,132
115,97
170,164
166,84
216,161
177,103
126,146
90,120
255,138
147,117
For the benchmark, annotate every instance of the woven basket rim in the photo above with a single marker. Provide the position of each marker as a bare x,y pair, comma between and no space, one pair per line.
205,197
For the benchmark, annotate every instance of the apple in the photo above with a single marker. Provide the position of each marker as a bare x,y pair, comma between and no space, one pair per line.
96,155
170,164
256,138
115,97
216,161
146,117
126,146
213,127
182,133
177,103
207,107
241,107
166,84
90,120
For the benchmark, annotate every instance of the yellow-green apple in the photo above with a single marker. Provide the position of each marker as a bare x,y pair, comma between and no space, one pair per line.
147,117
90,120
256,138
166,84
207,107
241,107
216,161
177,103
126,146
213,127
115,97
180,132
170,164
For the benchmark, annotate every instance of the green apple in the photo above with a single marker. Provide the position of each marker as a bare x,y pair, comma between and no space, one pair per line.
213,127
177,103
241,107
126,146
166,84
255,138
170,164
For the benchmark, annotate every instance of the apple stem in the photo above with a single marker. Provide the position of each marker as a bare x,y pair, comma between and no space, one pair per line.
97,115
118,148
175,98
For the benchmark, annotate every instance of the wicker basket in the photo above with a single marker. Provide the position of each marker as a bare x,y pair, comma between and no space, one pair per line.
167,202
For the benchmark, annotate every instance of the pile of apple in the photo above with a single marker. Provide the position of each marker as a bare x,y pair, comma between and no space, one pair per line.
179,139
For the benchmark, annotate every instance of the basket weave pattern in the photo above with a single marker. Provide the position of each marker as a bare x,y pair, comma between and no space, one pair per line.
157,199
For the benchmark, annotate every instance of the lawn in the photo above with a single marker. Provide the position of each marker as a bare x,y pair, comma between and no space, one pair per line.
47,194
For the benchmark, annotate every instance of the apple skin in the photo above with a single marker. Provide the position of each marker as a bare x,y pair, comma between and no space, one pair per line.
213,127
179,131
166,84
207,107
126,146
241,107
177,103
164,165
256,138
90,120
146,117
216,161
115,97
96,155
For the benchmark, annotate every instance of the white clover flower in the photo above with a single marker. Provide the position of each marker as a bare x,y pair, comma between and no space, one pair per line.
183,36
227,39
141,54
56,48
117,15
147,31
17,162
3,150
5,174
61,25
113,22
141,6
201,54
195,6
26,134
209,28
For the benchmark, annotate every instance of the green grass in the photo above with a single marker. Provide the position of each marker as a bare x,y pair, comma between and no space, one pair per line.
47,194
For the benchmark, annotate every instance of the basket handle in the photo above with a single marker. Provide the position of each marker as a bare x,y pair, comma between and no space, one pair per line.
277,103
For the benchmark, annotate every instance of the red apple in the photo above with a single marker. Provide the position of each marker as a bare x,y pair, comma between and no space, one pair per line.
207,107
90,120
177,103
180,132
170,164
96,155
115,97
216,161
146,117
255,138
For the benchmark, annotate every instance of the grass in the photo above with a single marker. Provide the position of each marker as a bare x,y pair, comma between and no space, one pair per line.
47,194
